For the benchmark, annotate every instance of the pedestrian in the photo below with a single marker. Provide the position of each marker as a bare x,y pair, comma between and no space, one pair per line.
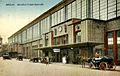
97,55
64,59
83,61
46,60
67,59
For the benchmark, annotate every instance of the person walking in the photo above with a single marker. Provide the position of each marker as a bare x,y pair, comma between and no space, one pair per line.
64,59
97,55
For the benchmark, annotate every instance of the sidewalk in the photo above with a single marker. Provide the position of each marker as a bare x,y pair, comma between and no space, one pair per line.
69,65
117,68
79,65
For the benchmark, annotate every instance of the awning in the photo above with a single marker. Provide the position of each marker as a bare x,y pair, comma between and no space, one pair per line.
83,44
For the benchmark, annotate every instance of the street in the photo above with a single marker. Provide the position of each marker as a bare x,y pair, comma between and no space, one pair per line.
25,68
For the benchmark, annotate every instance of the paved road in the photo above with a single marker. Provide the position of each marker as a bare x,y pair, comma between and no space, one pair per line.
26,68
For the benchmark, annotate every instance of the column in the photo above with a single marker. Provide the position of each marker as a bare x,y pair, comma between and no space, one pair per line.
105,43
115,46
52,38
74,34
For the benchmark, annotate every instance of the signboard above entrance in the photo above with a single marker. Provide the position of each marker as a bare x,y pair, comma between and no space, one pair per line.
56,50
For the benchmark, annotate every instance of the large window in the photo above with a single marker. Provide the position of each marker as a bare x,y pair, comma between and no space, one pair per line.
78,33
10,40
61,40
110,52
96,9
29,34
74,9
84,9
36,31
118,37
69,12
110,34
118,7
79,8
16,39
58,17
64,39
24,36
55,31
56,41
13,39
110,38
111,9
53,19
118,33
62,14
118,42
19,38
103,9
119,53
78,37
45,25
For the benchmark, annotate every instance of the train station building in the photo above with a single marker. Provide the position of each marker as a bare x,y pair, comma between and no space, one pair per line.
72,28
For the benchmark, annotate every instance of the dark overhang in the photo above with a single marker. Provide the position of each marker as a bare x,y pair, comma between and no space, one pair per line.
82,44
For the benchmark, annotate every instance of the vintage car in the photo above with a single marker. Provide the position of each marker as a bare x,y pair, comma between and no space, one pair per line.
102,63
6,56
20,57
34,59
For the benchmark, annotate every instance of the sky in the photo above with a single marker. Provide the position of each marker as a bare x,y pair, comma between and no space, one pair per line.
15,14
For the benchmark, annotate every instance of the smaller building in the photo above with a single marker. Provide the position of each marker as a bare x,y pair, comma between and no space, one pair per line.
0,43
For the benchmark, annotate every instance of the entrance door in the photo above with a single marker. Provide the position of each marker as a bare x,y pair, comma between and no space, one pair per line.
56,57
110,52
84,53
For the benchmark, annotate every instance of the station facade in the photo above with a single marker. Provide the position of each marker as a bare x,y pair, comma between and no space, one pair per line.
72,28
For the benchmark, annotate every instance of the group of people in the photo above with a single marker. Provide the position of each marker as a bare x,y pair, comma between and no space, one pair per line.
46,60
84,59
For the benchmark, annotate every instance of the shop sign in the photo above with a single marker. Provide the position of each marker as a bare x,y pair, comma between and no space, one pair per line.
56,50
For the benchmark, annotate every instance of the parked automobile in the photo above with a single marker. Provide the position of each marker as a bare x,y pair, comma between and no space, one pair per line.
20,57
6,56
102,63
35,59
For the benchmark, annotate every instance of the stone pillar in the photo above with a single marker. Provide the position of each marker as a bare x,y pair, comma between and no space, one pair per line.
70,34
30,50
105,43
115,46
74,34
38,53
58,40
52,38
